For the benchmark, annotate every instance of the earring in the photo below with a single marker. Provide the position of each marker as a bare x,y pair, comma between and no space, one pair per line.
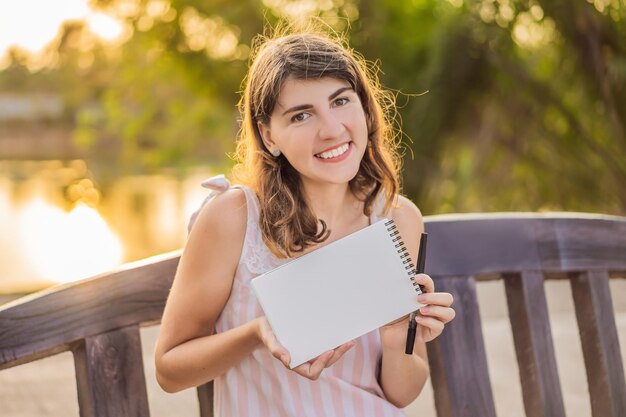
275,152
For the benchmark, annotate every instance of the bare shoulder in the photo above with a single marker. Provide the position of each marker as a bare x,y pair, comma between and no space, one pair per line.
216,239
223,215
407,216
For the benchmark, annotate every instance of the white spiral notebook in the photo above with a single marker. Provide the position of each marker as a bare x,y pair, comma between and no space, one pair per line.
339,292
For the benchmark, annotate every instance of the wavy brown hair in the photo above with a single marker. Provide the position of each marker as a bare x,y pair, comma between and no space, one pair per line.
287,223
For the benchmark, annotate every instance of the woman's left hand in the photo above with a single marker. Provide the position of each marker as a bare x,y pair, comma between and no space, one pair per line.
431,319
436,311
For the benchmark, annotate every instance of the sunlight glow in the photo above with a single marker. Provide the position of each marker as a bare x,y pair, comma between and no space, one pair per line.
104,26
211,34
65,247
530,33
32,24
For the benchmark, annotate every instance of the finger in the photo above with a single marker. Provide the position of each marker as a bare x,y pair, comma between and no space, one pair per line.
431,323
444,314
267,335
339,352
313,369
425,281
272,344
283,356
280,353
437,298
320,363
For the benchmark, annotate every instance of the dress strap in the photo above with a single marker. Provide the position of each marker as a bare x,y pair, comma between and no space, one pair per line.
377,208
253,204
217,184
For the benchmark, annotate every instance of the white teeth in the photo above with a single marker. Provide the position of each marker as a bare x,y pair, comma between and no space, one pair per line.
334,153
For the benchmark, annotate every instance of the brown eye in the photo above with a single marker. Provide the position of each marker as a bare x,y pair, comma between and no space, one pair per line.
341,101
300,117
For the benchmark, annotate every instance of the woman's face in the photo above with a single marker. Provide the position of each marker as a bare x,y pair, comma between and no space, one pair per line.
319,126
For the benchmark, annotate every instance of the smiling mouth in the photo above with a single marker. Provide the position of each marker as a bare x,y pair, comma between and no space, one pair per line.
334,153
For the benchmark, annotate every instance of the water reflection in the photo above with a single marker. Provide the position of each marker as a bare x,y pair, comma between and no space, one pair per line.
57,224
62,246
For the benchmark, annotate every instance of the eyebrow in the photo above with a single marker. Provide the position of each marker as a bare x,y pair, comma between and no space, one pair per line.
308,106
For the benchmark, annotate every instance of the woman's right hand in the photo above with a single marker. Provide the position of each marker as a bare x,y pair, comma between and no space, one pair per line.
311,369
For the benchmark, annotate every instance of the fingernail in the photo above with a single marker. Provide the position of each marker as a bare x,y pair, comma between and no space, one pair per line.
421,298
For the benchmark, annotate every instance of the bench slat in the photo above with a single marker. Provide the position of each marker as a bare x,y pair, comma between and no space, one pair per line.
528,313
540,241
598,334
458,361
50,322
109,375
205,398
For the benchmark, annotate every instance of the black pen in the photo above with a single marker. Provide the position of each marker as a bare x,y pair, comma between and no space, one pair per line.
421,263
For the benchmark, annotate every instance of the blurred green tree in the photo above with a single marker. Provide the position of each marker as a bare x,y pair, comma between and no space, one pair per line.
525,106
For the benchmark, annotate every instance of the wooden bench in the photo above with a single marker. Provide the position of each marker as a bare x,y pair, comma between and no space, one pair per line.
98,320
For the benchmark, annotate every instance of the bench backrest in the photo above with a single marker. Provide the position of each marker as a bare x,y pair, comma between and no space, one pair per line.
98,320
524,250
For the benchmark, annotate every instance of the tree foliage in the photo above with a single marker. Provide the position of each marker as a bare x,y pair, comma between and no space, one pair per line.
525,106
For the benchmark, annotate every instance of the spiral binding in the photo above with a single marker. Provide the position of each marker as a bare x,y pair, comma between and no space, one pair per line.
394,233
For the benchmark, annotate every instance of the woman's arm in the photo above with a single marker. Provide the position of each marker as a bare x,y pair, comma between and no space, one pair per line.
187,352
402,376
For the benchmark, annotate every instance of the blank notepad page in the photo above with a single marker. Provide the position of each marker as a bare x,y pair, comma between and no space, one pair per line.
339,292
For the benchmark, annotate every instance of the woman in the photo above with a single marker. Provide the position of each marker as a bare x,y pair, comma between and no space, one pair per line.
317,161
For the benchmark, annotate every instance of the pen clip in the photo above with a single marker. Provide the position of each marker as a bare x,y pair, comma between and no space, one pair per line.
421,264
421,257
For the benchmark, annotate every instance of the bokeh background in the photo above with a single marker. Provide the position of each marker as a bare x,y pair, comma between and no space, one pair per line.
113,111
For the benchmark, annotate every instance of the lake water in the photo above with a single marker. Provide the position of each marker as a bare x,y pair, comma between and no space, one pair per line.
57,224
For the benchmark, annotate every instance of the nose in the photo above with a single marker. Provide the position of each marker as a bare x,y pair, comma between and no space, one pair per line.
330,126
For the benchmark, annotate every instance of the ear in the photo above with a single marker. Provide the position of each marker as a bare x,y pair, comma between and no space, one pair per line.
266,135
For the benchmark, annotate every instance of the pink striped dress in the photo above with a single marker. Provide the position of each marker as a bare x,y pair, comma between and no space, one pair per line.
260,386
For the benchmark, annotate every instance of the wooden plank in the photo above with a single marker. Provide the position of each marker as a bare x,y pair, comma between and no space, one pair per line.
49,322
458,361
581,245
598,334
109,375
543,242
205,398
528,313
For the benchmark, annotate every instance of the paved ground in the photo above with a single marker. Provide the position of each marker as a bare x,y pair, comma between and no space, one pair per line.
46,388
